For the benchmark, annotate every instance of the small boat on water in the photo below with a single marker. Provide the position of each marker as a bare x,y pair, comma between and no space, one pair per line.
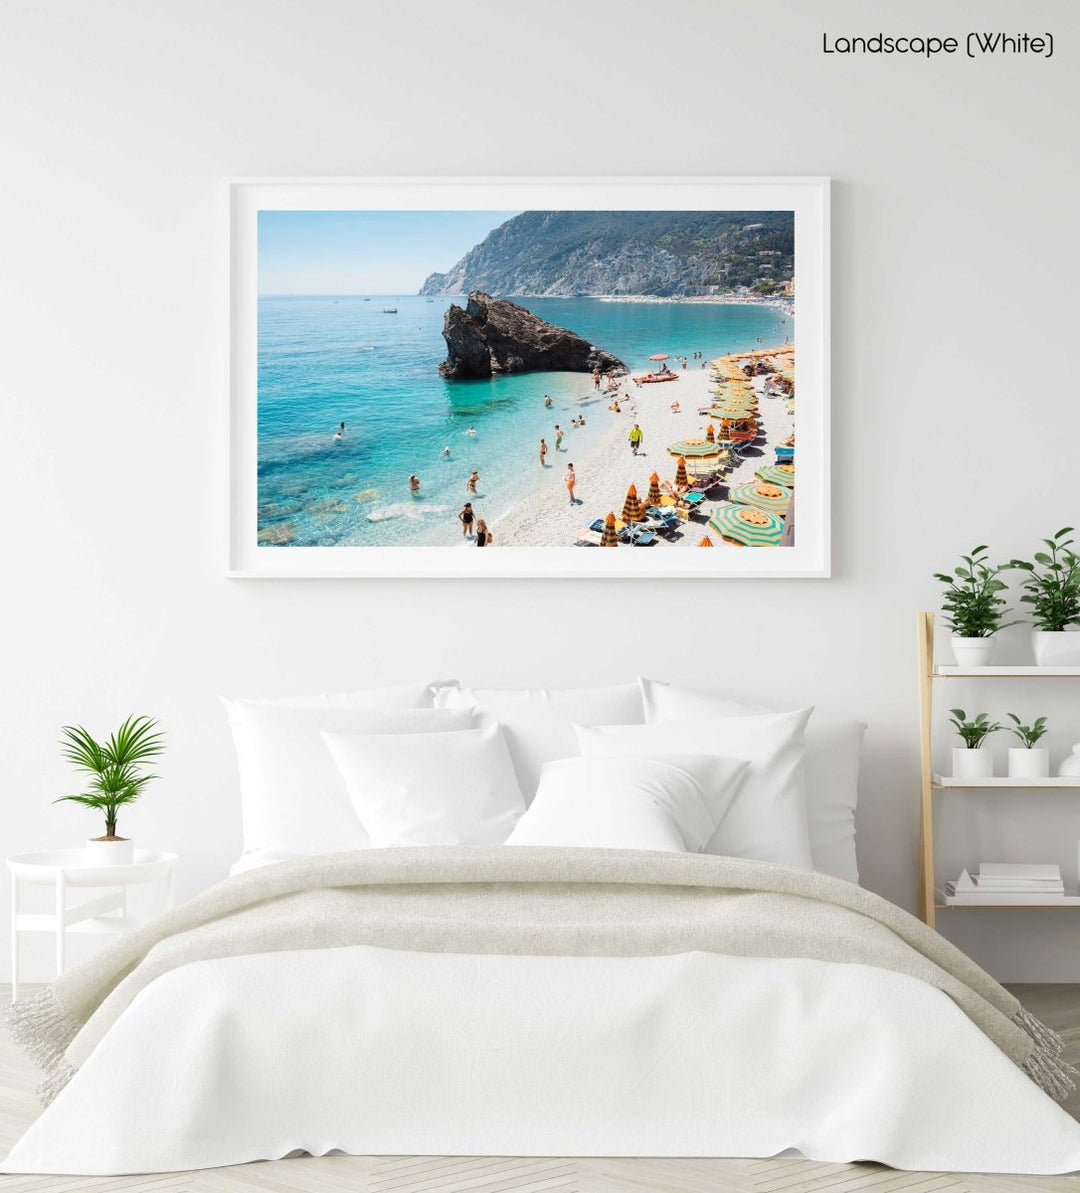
650,378
389,310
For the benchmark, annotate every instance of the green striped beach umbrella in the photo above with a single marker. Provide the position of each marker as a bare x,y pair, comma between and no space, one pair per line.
723,412
777,474
695,449
747,525
774,499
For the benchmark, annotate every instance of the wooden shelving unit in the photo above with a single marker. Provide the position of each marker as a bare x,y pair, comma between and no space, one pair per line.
929,673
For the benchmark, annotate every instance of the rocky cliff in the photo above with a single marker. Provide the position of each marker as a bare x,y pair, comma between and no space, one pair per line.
662,253
491,335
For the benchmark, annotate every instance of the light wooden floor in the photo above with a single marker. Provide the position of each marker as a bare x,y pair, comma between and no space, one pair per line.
1058,1006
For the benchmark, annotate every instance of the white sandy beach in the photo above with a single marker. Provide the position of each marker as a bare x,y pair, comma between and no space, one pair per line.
546,519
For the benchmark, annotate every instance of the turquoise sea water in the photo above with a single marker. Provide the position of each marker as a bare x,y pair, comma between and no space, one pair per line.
327,360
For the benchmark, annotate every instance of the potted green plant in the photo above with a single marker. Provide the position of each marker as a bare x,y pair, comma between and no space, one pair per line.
117,778
1029,760
970,761
1052,589
973,607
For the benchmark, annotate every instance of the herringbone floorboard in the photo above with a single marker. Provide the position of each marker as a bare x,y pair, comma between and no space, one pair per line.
1057,1005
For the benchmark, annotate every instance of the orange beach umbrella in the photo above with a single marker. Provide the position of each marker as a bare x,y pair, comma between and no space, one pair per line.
680,472
653,497
631,510
660,356
710,433
706,542
609,538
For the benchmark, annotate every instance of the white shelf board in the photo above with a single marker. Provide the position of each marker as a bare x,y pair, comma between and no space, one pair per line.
987,904
1002,781
945,671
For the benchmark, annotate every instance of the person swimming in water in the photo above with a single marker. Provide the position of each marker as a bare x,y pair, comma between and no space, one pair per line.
471,431
414,483
446,451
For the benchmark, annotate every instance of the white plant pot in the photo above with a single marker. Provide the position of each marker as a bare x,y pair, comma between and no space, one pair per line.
1056,648
1029,764
972,764
120,852
972,652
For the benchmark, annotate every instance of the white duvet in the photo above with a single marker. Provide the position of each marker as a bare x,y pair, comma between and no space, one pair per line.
375,1051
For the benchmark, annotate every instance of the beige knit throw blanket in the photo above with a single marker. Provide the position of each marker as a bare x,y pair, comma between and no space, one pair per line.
526,901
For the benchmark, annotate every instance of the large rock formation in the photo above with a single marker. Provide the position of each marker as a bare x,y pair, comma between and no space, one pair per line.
492,335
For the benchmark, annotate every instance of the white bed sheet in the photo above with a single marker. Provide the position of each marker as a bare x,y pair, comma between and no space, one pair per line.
375,1051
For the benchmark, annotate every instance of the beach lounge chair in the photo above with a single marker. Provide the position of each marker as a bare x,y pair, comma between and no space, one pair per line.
642,536
785,455
665,518
588,538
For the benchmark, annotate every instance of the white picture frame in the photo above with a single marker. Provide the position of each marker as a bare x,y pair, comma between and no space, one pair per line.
807,197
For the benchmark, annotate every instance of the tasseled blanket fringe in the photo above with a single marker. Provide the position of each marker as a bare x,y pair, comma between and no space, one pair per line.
1046,1066
43,1030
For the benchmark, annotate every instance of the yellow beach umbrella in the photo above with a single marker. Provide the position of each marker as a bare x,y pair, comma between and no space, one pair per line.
609,538
631,510
653,497
680,473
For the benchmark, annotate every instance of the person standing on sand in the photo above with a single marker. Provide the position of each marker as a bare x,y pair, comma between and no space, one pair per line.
466,519
636,436
571,480
472,482
558,438
543,452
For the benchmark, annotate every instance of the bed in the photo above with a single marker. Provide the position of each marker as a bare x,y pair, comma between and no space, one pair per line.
601,967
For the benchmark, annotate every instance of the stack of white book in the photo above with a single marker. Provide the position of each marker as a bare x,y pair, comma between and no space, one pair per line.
1007,882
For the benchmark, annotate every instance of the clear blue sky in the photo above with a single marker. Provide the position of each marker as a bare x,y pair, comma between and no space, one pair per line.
364,252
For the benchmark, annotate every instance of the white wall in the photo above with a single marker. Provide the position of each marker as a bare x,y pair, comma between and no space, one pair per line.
954,380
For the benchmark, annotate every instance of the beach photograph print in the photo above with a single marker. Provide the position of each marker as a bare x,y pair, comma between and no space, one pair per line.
595,381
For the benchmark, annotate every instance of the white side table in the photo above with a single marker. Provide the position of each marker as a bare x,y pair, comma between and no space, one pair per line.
64,869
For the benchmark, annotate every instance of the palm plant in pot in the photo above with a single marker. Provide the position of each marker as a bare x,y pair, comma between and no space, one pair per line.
970,761
1052,589
973,607
1029,760
117,778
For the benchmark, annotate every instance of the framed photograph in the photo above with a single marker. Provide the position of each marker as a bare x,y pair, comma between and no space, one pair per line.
584,377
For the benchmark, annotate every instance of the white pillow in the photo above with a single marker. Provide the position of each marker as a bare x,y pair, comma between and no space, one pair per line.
672,803
292,796
431,788
833,750
767,818
404,695
539,722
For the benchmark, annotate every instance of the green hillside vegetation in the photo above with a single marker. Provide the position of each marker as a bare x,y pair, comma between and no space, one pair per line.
665,253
